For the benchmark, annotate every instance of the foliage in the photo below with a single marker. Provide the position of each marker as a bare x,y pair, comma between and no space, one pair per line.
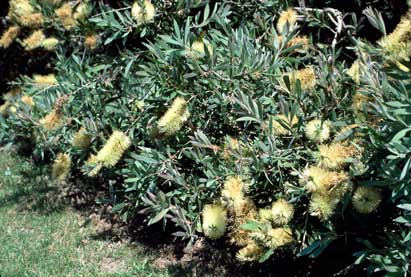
216,107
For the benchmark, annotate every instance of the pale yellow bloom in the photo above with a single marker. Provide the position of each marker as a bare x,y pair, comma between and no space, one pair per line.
278,237
282,212
50,43
45,80
317,130
19,8
323,205
238,236
175,117
355,71
34,41
250,253
214,221
198,47
366,199
265,215
114,149
65,15
28,100
52,121
360,102
317,179
81,139
9,36
289,16
336,155
234,194
397,45
90,42
61,167
307,77
143,14
31,20
4,108
82,11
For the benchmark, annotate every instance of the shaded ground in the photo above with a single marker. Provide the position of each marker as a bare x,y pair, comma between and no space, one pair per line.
41,236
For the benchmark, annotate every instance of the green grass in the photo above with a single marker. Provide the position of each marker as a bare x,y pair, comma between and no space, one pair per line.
40,237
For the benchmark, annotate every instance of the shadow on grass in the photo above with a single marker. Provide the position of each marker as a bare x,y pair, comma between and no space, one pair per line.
27,187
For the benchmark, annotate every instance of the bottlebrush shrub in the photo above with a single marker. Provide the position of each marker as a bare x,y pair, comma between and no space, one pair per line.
224,126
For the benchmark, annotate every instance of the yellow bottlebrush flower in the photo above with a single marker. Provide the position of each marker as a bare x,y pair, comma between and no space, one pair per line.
90,42
238,236
65,15
214,221
197,49
397,45
250,253
31,20
92,160
233,193
323,205
45,80
242,206
338,192
34,40
317,179
282,212
307,77
82,11
282,124
278,237
28,100
354,71
20,8
4,108
317,130
9,36
366,199
61,167
265,215
52,120
172,121
289,16
114,149
50,43
302,41
360,102
335,155
143,14
81,139
234,187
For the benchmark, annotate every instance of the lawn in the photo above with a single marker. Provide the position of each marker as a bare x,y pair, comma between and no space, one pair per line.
39,236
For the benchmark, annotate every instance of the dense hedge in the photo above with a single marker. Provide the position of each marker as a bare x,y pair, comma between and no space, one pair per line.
246,122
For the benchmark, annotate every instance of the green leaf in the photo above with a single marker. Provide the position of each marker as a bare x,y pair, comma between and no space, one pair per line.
316,248
250,226
159,216
266,256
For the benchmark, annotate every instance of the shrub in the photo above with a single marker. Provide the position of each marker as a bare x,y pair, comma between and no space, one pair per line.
189,107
